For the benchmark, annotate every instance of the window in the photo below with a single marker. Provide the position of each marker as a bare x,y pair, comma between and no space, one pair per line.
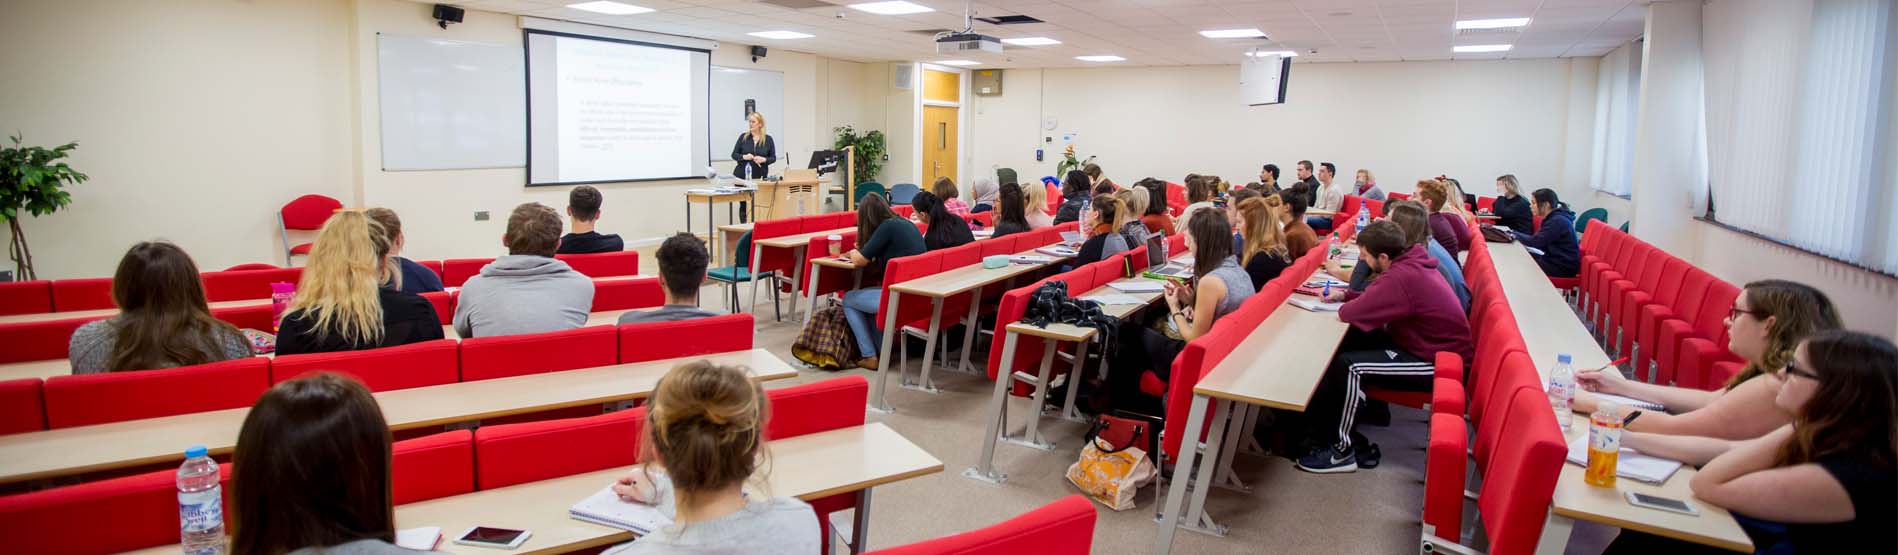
1617,98
1800,121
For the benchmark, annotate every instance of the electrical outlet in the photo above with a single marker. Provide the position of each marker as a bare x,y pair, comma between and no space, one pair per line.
481,215
886,157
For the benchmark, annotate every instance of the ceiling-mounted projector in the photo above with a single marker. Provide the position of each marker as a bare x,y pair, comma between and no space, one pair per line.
956,43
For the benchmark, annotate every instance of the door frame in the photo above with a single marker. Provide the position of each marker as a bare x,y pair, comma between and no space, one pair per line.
962,121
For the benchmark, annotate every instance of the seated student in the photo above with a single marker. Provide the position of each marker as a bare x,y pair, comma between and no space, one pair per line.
1262,249
1035,205
1769,318
889,236
1103,231
1201,190
1823,482
1133,204
338,305
945,191
1367,186
1011,215
1096,177
527,291
315,457
682,261
583,208
1561,251
1410,216
1398,324
985,195
414,279
1446,227
1299,236
1074,195
163,320
1326,197
1218,287
1268,179
1512,211
942,230
1156,217
705,428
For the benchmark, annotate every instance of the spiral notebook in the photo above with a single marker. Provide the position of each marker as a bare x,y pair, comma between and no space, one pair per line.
605,507
1631,464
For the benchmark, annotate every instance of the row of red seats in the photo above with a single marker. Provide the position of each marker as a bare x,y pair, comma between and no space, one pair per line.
1668,313
783,261
1349,211
67,401
456,271
49,339
142,509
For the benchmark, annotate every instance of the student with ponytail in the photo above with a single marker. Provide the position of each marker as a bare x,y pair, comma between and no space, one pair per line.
1103,226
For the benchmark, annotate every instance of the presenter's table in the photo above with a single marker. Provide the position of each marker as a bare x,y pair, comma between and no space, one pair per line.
710,199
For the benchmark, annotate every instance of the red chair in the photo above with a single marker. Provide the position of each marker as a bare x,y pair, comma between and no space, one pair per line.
306,213
1707,322
1445,463
907,314
484,358
779,263
1175,199
1054,198
603,264
817,284
987,219
242,285
26,297
22,406
1515,375
433,266
256,317
1653,317
1486,204
819,407
626,293
42,340
107,516
389,368
444,303
252,266
1516,490
518,453
1658,283
1619,289
456,271
82,294
117,396
432,466
663,340
1064,527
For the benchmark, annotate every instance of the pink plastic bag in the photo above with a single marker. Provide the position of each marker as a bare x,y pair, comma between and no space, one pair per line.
280,294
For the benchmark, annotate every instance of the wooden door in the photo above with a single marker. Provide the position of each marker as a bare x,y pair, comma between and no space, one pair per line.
939,144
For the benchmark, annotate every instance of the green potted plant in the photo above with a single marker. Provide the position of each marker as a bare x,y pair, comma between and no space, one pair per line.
870,150
1070,162
32,181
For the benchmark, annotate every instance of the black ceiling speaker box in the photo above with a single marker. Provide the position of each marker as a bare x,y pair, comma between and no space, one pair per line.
446,14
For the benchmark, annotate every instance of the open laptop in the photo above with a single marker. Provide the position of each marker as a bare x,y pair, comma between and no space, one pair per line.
1157,263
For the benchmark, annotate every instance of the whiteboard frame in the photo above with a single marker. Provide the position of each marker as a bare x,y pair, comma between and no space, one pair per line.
383,107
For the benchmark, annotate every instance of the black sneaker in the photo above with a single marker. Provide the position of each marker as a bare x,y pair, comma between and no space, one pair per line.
1368,454
1328,460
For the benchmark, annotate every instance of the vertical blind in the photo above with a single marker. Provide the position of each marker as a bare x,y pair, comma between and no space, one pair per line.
1617,95
1799,109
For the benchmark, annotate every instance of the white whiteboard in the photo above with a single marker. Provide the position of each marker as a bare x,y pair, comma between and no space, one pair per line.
731,86
449,104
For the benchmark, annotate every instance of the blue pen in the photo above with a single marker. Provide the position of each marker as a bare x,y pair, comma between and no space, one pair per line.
1327,294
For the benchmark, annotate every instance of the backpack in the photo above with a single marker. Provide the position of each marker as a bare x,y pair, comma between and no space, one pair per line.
1050,304
826,344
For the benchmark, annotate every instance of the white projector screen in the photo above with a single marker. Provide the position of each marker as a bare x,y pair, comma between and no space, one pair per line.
604,110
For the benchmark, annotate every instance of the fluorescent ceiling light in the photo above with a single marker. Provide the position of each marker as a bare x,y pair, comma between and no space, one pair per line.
1474,48
1101,58
609,7
1503,23
957,62
1279,53
891,8
1232,33
1031,41
781,35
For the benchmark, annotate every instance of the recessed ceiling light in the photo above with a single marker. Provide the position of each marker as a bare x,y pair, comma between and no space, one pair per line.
609,7
1031,41
1232,33
1101,58
781,35
1475,48
1503,23
891,8
957,62
1279,53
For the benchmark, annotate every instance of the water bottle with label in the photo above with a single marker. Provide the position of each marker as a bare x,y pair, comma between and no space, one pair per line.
1562,390
1364,217
200,504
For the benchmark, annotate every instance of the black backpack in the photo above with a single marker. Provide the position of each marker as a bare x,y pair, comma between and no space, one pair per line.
1050,304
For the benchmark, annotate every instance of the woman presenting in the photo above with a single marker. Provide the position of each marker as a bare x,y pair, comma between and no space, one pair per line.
754,152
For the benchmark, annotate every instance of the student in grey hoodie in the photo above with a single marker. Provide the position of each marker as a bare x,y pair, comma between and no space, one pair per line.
527,291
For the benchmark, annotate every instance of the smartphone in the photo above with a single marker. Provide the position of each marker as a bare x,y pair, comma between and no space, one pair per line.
1662,503
498,538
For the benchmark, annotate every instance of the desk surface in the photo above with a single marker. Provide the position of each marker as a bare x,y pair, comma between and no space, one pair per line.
110,312
960,280
1070,332
1279,364
807,467
41,369
798,240
601,318
692,196
69,451
1549,326
1574,498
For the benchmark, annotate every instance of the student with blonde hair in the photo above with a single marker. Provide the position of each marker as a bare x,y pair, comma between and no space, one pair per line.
1262,249
1133,202
340,304
1035,205
1367,186
704,438
1511,208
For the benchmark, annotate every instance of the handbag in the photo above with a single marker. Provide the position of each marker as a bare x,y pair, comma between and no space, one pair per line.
1493,235
1122,430
826,344
1111,474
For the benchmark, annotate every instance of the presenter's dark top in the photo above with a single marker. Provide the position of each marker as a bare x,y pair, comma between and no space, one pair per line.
768,150
589,243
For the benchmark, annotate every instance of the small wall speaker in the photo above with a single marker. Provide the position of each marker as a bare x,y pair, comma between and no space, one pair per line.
446,14
903,76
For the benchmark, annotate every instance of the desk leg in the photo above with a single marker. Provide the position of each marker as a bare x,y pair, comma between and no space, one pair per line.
1196,517
968,327
929,345
984,468
1250,443
711,226
1074,383
1235,424
810,290
878,401
1031,437
1555,535
860,529
797,277
753,269
1182,470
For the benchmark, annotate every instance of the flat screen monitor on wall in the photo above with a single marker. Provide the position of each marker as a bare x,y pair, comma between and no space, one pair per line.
1262,79
602,109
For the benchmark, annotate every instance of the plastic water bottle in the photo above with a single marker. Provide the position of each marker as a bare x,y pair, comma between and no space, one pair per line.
1562,390
200,504
1364,217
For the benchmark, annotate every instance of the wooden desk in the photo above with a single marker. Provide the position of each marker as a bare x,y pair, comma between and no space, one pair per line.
730,234
103,313
711,199
1575,499
784,196
601,318
41,369
69,451
807,467
1549,325
938,287
796,244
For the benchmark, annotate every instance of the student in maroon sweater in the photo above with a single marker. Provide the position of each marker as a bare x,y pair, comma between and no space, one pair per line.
1398,324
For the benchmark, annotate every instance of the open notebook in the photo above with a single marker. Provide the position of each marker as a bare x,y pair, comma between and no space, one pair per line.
1630,402
1631,464
605,507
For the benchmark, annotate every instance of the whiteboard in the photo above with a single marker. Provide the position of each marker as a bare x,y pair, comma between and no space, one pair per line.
731,86
449,104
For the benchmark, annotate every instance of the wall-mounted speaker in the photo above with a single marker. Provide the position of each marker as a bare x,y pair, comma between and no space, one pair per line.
903,76
446,14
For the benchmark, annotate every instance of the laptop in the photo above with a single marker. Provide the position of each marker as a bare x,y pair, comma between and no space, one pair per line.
1157,263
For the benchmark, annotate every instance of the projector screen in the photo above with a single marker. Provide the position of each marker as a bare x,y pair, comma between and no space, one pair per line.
601,110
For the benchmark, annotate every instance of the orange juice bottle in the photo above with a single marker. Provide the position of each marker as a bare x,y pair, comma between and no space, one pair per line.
1604,445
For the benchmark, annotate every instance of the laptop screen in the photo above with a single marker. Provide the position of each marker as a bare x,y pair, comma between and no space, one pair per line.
1156,250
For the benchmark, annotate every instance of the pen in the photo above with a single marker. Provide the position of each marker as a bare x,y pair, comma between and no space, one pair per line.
1327,294
1630,418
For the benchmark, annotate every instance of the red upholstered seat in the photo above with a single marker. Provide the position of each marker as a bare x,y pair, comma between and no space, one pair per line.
305,213
603,264
107,516
456,271
1516,490
1175,199
818,407
433,466
26,297
82,294
1656,317
300,248
1445,461
913,310
256,317
112,397
517,453
1064,527
444,303
485,358
776,260
662,340
22,406
626,293
432,265
388,368
239,285
1515,374
42,340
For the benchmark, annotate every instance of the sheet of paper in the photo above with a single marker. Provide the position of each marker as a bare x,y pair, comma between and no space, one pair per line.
424,538
1138,286
1316,305
1112,298
1630,464
1533,250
